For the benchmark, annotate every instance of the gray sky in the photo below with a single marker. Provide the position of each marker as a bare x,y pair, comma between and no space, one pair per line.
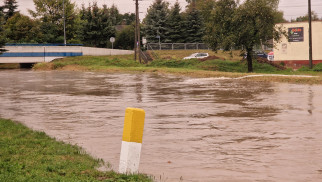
291,8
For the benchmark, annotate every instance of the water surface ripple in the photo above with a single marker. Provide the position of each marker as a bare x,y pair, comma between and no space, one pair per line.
203,129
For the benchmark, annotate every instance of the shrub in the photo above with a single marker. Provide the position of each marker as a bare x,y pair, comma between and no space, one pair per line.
318,67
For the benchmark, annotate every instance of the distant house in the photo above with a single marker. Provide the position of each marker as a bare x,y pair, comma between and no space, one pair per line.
294,49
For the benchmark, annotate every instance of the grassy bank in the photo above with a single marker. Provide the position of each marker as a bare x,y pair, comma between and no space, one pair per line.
209,68
9,66
27,155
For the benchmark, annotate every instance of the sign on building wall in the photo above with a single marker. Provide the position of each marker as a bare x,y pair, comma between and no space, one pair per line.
295,34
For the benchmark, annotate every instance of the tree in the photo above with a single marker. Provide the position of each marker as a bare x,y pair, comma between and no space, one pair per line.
50,13
97,25
115,15
220,27
249,24
125,38
21,29
194,26
315,17
155,22
128,18
175,25
2,36
10,7
279,17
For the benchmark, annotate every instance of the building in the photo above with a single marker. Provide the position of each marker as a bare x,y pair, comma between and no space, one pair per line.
294,49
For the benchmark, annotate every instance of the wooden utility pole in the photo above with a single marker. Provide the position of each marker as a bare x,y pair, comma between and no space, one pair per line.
137,45
310,36
64,17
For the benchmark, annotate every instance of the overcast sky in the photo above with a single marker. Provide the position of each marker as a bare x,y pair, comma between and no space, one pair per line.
291,8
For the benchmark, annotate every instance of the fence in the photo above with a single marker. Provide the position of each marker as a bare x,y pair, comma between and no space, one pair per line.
176,46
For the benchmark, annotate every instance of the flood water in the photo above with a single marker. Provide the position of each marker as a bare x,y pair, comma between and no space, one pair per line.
196,129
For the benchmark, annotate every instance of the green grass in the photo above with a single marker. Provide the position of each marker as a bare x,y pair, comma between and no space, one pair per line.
175,64
27,155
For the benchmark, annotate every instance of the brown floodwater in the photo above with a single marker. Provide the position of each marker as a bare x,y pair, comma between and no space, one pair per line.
196,129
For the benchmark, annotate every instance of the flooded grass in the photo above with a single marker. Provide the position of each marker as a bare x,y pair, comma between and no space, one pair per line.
27,155
193,67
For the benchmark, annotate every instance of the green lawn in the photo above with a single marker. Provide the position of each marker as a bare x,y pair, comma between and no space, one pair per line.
27,155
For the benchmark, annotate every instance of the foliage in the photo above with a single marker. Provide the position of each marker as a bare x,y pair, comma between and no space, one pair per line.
27,155
155,22
175,25
194,25
50,13
318,67
175,63
315,17
125,38
21,29
249,24
2,35
220,28
97,25
10,7
127,18
279,17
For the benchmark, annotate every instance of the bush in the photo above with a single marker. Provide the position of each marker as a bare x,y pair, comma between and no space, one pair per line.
304,68
318,67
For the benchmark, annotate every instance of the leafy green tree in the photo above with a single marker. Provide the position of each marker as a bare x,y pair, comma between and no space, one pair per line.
194,26
249,24
315,17
279,17
97,26
21,29
50,13
125,38
155,22
127,18
115,15
10,7
2,36
175,25
220,27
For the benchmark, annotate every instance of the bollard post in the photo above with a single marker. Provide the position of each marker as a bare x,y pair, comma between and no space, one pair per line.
132,141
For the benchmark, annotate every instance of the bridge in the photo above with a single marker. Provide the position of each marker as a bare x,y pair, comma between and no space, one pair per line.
28,54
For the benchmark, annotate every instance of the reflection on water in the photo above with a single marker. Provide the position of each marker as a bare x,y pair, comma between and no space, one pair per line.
196,129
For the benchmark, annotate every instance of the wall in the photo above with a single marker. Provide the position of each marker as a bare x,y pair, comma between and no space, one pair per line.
299,51
35,54
90,51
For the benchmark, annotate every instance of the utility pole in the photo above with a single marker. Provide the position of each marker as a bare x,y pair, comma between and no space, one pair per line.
137,45
64,22
310,36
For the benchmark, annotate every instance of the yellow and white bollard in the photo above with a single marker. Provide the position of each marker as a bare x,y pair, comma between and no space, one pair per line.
132,140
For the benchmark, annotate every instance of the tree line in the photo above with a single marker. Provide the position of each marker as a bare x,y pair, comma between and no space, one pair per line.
93,26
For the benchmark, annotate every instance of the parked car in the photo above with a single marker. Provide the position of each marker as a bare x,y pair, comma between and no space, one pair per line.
257,54
197,56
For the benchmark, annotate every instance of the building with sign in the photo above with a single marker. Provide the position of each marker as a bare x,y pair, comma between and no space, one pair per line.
294,49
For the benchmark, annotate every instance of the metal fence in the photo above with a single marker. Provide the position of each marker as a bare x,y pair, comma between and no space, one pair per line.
176,46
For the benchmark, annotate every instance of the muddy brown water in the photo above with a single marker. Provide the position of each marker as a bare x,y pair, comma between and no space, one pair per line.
205,129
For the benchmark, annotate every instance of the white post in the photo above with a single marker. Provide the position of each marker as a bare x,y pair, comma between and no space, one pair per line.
132,141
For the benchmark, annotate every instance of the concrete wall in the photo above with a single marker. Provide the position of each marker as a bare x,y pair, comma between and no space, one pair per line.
299,51
90,51
35,54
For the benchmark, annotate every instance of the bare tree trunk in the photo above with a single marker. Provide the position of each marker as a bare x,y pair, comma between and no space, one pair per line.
250,60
